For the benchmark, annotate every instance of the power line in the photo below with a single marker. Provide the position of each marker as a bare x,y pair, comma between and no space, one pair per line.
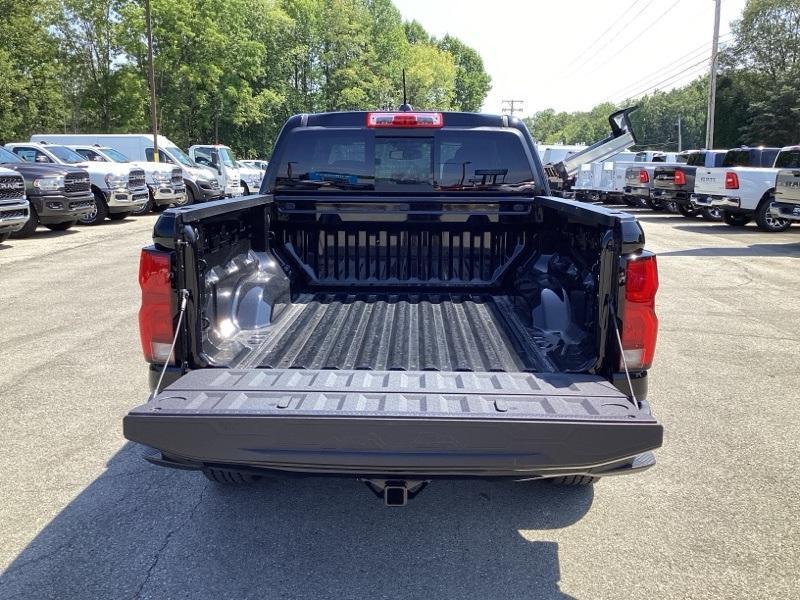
602,35
643,31
612,38
703,62
662,71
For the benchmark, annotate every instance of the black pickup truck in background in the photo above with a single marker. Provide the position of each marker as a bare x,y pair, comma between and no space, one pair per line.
404,302
58,194
675,183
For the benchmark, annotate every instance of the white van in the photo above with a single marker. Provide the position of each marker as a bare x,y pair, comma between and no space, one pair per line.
201,183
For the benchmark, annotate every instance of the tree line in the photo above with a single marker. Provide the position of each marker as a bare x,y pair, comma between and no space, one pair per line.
227,70
758,93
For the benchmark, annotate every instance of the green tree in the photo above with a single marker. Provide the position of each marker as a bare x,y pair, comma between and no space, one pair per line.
430,77
31,98
472,81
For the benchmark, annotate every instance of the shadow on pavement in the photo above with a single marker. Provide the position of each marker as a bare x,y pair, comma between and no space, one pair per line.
140,531
790,249
719,227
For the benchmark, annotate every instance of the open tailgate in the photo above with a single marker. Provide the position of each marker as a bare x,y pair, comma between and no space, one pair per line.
395,422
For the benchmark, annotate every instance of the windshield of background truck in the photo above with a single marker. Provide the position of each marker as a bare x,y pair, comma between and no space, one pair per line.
446,160
115,155
66,155
788,160
681,158
696,159
9,157
740,158
92,155
227,158
179,155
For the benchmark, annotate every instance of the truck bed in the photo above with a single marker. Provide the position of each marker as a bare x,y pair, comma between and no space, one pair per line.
398,332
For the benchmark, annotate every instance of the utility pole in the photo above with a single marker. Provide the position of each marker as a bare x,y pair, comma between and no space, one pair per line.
510,107
712,80
151,79
680,135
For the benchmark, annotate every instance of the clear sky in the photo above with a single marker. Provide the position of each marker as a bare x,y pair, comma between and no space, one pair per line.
556,54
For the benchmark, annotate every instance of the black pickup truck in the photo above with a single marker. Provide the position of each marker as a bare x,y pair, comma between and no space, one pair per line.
675,183
403,302
58,194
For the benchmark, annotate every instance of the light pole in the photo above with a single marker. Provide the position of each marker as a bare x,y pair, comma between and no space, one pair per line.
151,79
712,80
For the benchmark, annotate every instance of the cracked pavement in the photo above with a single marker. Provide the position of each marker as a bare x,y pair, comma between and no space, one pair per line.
83,516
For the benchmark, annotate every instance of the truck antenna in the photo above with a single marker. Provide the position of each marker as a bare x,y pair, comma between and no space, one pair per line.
405,106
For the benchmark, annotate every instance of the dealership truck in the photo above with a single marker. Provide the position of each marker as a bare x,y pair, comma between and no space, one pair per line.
675,183
201,183
787,186
405,302
14,207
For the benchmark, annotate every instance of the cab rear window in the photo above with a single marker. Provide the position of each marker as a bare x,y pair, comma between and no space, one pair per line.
788,160
443,161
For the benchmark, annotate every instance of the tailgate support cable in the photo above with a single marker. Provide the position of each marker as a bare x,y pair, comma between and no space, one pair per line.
621,349
184,294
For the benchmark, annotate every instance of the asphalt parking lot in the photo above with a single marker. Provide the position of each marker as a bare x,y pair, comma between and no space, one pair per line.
83,516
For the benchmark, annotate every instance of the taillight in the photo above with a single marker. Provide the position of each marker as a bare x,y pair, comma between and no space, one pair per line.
731,181
639,320
404,119
680,178
155,313
644,177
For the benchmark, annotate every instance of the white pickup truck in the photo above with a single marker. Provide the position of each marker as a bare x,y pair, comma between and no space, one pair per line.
118,189
787,185
743,187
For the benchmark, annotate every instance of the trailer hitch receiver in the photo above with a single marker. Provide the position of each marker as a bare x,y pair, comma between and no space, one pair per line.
395,492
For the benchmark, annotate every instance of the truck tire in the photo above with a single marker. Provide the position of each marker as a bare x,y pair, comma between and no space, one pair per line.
98,215
30,226
63,226
573,480
226,477
766,222
654,204
711,214
687,211
188,198
4,237
735,220
245,189
119,216
148,206
159,208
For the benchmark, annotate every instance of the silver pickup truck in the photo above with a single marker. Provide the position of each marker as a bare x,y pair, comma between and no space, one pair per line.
787,187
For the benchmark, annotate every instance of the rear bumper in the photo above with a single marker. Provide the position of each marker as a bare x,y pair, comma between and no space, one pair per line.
706,201
638,192
396,423
790,212
677,196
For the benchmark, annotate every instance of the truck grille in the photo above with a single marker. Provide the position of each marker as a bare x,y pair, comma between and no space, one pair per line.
11,187
177,176
13,214
75,183
136,179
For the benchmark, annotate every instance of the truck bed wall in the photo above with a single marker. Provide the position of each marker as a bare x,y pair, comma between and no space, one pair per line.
546,259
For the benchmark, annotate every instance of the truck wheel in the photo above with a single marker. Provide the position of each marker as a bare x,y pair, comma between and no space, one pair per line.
687,211
158,208
766,222
98,215
654,204
30,226
245,189
148,206
119,216
4,237
226,477
735,220
573,480
188,198
63,226
711,214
